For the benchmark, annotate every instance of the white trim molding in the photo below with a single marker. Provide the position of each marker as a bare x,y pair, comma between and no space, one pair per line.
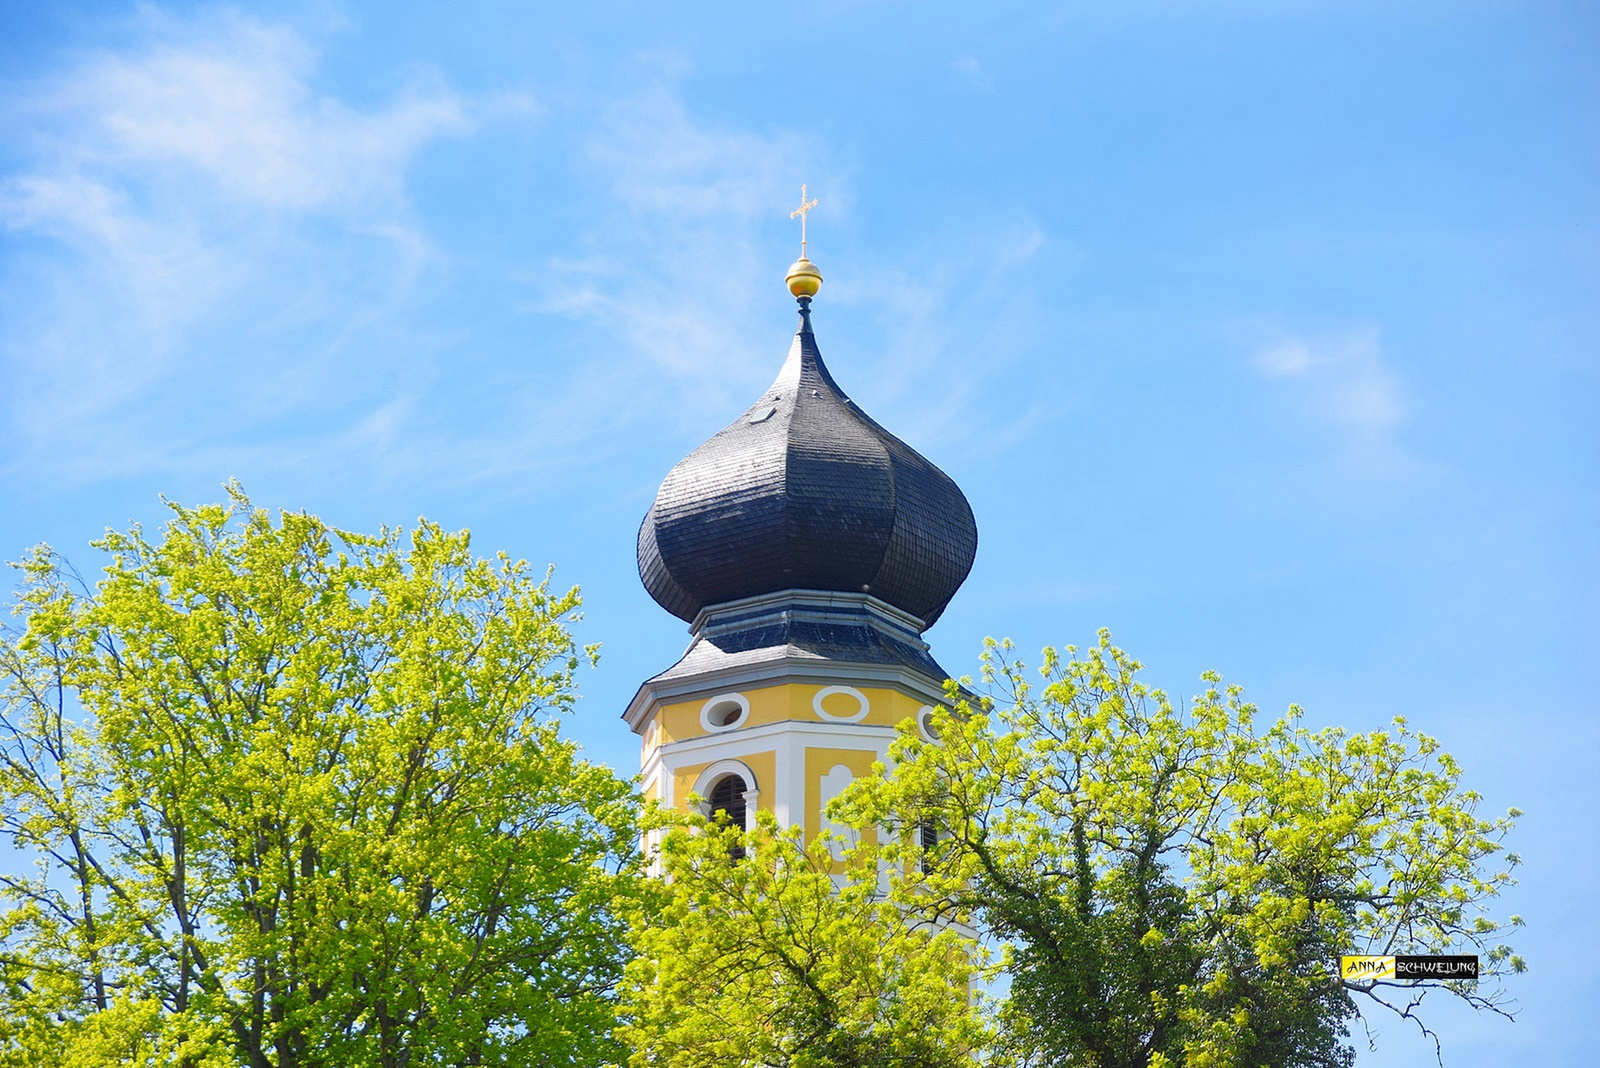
834,783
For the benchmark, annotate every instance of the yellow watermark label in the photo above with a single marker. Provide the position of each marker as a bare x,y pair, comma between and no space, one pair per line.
1358,968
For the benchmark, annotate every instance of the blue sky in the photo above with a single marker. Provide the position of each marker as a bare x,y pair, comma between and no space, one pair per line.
1263,333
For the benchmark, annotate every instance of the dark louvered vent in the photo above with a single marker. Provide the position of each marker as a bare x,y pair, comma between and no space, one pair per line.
727,799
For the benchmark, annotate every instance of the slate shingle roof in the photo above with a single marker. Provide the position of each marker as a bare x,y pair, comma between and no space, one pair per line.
805,491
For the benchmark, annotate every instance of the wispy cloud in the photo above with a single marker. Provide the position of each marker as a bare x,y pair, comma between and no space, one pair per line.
220,269
972,71
683,267
679,250
164,188
236,106
1344,382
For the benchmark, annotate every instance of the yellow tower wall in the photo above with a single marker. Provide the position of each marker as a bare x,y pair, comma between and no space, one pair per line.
790,739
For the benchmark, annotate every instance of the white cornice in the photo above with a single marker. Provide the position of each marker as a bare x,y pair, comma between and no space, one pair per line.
779,669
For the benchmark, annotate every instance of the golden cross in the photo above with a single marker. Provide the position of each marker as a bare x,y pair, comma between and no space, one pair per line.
804,208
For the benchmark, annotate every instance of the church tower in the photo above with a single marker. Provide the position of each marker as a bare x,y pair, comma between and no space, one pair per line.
808,549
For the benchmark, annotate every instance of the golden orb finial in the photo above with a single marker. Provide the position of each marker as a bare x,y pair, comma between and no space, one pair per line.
804,279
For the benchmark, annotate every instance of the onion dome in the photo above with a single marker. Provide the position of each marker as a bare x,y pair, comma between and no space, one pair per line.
805,492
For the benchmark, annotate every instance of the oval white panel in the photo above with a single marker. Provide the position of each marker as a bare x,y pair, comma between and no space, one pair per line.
826,692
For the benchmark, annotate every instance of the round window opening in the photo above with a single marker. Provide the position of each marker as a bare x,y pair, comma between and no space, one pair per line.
724,712
925,724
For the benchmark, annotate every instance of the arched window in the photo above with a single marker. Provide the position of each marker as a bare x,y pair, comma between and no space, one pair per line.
727,802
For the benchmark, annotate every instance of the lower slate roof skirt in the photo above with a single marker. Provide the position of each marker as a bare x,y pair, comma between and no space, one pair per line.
819,635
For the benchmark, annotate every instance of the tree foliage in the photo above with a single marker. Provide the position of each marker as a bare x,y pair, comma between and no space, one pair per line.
296,796
769,952
1176,886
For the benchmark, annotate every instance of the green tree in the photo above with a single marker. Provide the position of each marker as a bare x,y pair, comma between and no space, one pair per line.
769,952
1175,886
297,796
